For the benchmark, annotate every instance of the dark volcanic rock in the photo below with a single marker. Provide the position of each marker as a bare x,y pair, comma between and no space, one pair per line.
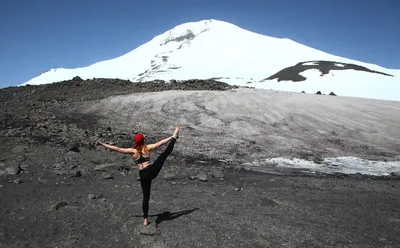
77,79
169,176
265,202
395,175
218,174
151,229
19,149
60,205
293,73
76,174
106,175
13,170
18,181
75,148
202,177
93,197
66,91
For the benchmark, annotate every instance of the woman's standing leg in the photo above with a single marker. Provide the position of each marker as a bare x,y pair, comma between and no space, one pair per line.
146,186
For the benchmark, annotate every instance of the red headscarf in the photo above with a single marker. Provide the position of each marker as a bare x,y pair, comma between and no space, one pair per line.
139,140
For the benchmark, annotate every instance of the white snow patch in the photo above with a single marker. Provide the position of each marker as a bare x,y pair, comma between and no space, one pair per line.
310,63
339,65
349,83
341,165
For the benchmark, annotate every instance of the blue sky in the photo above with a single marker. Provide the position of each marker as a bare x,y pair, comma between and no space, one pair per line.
39,35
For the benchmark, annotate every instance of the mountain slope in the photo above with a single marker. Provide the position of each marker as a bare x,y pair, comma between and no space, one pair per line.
216,49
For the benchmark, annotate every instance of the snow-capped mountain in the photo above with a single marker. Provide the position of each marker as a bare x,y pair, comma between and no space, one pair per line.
217,49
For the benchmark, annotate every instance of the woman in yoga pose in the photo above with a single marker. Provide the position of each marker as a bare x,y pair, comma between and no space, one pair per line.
147,171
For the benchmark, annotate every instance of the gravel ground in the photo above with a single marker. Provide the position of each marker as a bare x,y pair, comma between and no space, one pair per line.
58,190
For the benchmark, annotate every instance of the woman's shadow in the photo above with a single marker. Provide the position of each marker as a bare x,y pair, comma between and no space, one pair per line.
167,215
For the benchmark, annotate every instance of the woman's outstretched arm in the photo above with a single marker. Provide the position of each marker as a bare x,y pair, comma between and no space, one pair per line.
159,143
116,148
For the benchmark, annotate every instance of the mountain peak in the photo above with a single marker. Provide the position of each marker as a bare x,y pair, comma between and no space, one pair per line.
217,49
189,30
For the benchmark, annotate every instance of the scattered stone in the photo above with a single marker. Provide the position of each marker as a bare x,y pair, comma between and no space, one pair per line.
237,189
19,149
100,167
192,177
150,230
75,148
58,166
202,177
20,158
318,93
2,164
60,172
97,160
218,174
238,168
91,197
332,94
1,186
77,79
303,91
395,174
169,176
61,205
358,175
17,181
173,183
14,170
2,172
318,160
107,175
76,174
265,202
24,166
106,167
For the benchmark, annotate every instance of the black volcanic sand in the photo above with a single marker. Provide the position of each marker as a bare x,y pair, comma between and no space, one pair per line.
58,190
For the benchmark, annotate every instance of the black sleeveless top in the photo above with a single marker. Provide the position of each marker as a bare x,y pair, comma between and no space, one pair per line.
142,159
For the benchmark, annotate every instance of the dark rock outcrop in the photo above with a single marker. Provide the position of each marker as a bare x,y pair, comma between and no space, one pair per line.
292,73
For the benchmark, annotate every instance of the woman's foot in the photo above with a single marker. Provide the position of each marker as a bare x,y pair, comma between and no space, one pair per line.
176,132
145,222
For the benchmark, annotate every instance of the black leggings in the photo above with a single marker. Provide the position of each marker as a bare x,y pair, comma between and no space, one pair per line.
150,172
